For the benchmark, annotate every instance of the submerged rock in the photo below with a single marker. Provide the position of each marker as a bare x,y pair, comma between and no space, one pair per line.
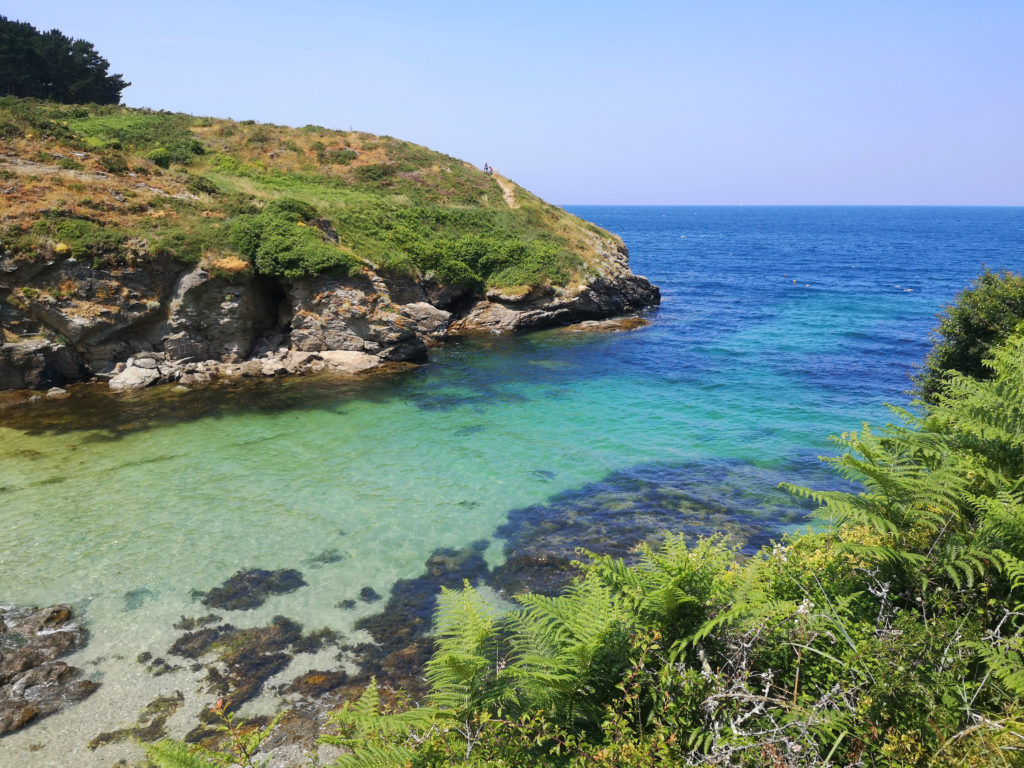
316,683
250,589
611,325
33,683
238,662
150,726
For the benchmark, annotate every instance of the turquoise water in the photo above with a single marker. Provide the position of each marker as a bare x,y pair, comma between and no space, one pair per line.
779,326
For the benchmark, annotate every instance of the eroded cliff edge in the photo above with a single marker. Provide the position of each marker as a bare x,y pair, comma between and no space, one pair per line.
165,321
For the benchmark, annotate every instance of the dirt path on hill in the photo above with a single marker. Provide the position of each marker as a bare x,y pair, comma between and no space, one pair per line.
507,191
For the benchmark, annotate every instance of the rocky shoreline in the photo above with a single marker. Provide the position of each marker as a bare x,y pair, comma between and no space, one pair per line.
155,320
34,683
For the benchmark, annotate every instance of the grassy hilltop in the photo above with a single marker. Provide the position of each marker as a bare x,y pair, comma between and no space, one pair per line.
94,181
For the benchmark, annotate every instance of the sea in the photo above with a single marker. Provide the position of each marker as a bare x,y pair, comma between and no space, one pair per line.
778,328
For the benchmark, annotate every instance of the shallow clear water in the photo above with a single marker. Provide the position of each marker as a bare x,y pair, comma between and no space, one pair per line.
779,326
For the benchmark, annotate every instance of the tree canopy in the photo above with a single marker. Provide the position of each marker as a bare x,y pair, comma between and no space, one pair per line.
51,65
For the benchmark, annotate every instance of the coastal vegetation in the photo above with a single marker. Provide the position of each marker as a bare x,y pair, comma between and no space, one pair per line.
892,635
983,316
113,185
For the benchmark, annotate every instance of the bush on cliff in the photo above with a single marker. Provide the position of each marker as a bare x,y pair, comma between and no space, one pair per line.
280,241
84,239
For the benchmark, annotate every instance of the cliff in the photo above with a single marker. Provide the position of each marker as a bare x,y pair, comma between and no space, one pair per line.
141,247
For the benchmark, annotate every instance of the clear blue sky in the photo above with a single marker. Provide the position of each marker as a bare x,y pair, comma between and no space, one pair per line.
815,102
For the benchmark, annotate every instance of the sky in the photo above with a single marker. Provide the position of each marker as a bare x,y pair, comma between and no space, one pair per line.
716,102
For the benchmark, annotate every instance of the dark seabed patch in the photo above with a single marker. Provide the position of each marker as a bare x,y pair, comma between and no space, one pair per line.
401,631
541,542
238,662
637,505
109,415
135,598
33,682
327,557
150,726
250,589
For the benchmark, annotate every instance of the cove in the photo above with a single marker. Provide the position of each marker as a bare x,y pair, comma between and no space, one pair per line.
778,327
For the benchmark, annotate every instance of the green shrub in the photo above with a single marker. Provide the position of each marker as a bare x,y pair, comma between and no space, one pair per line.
246,233
455,272
201,184
143,130
279,242
291,209
376,172
69,164
161,156
335,156
983,315
227,164
260,136
87,239
114,162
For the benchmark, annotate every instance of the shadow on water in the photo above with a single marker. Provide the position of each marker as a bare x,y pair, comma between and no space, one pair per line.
110,416
462,373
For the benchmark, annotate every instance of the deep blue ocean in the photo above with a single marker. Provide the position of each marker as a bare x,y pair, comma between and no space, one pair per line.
778,327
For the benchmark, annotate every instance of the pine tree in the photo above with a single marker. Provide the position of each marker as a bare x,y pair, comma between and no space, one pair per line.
51,65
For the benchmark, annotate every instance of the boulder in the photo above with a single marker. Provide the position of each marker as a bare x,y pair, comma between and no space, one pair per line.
427,319
347,361
134,377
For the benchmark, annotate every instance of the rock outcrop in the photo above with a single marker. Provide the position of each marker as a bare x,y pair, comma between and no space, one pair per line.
157,320
33,682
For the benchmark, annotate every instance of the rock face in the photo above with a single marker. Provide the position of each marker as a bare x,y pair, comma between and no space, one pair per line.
155,320
33,683
212,318
601,297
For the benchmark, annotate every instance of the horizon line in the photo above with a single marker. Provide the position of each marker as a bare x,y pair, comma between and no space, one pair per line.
791,205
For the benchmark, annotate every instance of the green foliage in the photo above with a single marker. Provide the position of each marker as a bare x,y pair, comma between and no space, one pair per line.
337,156
164,137
160,156
376,172
458,246
173,754
983,315
279,241
87,239
50,65
114,162
201,184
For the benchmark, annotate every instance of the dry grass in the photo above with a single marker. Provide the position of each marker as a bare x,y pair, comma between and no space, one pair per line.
225,264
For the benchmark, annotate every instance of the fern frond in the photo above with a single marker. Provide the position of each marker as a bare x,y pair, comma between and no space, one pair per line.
1007,666
174,754
376,756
